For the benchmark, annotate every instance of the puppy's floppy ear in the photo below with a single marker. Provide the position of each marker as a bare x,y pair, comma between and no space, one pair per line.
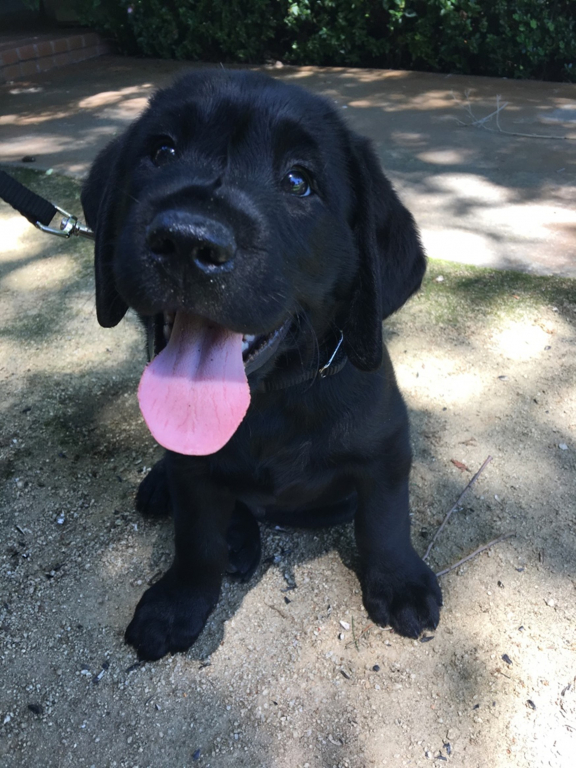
99,196
392,261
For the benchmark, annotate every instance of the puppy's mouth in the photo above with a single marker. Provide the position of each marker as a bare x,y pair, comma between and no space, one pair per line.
256,349
195,393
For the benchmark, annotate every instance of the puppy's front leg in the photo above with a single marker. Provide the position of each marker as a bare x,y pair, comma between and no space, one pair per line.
398,588
173,612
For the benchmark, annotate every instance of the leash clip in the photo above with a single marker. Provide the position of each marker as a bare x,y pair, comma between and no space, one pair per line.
68,226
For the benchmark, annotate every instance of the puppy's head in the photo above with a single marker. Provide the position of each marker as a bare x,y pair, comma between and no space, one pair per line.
247,204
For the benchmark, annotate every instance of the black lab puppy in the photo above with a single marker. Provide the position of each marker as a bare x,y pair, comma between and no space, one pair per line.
261,244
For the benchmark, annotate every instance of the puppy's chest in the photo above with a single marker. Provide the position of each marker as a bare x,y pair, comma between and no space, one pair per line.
285,477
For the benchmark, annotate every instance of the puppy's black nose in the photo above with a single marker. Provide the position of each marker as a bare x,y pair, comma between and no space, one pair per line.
184,235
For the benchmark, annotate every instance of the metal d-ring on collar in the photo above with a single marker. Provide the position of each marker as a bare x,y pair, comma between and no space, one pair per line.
335,364
325,370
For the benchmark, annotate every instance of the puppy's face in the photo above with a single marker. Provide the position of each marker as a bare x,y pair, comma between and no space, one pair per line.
233,203
241,202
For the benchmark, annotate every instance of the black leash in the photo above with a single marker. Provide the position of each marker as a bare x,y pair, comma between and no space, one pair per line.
39,211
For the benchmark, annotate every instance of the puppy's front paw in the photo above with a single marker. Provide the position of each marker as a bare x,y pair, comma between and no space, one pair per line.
170,616
407,597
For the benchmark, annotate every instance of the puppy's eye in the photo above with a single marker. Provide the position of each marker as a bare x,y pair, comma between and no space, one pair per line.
297,182
163,153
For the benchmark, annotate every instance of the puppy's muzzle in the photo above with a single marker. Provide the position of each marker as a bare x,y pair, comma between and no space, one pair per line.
191,238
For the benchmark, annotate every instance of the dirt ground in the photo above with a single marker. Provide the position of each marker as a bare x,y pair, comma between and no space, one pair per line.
289,672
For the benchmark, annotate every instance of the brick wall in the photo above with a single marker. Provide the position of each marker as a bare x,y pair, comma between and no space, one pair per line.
28,57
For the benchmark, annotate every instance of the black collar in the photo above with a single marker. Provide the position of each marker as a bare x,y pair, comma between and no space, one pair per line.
280,380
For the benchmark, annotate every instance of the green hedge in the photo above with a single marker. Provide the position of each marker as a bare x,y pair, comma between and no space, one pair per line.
519,38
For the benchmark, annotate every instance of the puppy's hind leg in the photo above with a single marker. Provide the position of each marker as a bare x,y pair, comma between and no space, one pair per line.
153,495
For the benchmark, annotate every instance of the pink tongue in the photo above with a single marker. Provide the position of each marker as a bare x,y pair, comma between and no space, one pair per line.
194,394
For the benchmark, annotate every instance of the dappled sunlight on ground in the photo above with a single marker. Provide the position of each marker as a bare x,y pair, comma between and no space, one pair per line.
46,275
440,378
36,119
14,229
117,560
52,143
458,245
446,156
521,341
107,98
466,189
398,102
44,282
472,219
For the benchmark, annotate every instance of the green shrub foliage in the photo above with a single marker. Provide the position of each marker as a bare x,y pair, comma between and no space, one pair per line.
506,38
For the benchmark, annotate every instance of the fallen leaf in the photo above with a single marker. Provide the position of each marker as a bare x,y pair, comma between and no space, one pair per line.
546,326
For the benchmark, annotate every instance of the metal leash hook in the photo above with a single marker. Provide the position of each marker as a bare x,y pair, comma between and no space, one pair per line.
38,210
68,226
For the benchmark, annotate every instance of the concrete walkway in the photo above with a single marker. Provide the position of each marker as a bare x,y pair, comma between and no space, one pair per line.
500,194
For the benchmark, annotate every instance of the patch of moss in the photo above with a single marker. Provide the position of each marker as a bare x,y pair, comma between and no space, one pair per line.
474,294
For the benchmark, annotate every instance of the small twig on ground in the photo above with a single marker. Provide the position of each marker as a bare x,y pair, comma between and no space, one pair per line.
366,629
480,122
277,610
455,507
476,552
